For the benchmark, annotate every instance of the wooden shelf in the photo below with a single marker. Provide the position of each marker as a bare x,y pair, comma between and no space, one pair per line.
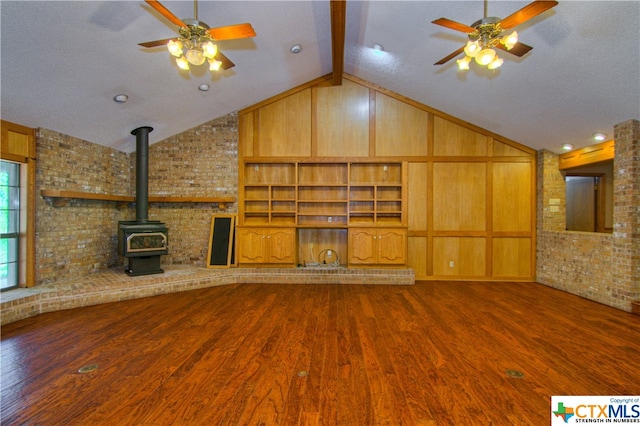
322,194
62,198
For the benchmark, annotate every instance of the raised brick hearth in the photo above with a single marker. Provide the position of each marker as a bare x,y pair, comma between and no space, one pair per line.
114,285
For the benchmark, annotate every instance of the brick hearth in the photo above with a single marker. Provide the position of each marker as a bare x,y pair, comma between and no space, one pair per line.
114,285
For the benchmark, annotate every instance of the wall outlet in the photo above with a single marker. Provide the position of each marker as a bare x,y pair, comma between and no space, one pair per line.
329,219
329,254
451,264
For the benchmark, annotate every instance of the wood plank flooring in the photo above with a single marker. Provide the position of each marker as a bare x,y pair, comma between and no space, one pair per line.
436,353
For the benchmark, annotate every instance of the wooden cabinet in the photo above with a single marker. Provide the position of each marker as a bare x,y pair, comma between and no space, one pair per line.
377,246
266,245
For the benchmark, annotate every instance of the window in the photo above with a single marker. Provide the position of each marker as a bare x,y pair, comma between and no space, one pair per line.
9,224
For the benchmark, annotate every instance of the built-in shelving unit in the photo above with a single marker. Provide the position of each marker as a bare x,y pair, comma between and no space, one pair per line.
322,195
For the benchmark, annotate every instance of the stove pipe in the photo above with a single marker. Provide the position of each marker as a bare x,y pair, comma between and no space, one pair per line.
142,172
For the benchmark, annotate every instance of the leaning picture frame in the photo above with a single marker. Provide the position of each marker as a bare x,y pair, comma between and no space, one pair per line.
221,249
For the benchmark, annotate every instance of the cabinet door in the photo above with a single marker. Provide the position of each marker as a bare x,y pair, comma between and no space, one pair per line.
392,246
282,244
251,245
362,246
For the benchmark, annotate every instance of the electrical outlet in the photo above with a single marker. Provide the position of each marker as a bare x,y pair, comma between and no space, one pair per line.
385,167
256,168
329,219
329,254
451,264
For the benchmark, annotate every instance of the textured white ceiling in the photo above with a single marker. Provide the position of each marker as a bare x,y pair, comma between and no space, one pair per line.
63,61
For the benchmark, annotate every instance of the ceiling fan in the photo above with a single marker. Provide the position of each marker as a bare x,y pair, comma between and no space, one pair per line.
196,45
489,33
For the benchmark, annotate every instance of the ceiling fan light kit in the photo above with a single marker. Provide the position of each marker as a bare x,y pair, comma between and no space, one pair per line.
196,44
492,33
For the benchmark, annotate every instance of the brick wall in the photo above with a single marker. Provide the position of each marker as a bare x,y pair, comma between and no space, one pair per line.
78,239
201,162
81,238
626,212
600,267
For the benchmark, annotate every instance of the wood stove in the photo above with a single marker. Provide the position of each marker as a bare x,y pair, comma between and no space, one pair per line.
142,241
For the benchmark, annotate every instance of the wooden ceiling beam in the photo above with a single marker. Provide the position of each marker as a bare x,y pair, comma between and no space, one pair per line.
338,22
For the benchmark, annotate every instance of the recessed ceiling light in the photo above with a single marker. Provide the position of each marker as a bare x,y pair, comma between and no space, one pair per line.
296,48
599,136
203,87
378,47
121,98
567,147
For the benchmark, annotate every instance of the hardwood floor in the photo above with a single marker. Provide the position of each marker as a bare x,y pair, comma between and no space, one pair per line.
437,353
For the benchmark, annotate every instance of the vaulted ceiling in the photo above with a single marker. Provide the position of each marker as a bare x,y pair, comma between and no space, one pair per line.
62,62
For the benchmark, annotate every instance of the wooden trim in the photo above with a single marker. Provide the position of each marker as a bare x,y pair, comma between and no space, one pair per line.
372,123
13,157
588,155
314,122
489,214
30,273
62,198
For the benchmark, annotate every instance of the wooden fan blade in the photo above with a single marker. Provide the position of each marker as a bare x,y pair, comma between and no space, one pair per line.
519,49
165,12
231,32
453,25
155,43
449,57
529,11
226,63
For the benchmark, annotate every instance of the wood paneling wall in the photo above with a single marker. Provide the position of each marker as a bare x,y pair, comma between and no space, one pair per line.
470,192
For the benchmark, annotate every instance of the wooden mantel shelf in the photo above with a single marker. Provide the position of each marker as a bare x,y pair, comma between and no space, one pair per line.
62,198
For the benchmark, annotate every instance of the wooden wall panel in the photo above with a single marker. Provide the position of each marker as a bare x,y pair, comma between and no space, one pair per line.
512,257
459,196
401,129
246,133
452,139
417,256
501,149
459,256
469,195
343,120
18,142
417,196
512,206
285,126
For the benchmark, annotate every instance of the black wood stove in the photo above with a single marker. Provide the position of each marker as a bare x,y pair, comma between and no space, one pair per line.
142,241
